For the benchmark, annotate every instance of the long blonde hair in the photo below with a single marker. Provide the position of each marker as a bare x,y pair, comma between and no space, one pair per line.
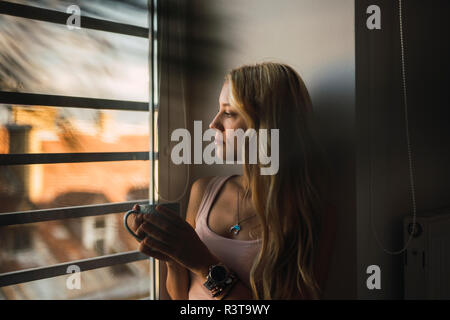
289,204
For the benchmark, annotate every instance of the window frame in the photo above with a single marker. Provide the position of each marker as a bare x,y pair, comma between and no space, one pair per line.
19,98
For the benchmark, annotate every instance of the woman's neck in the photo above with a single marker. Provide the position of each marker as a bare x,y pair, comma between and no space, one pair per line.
243,183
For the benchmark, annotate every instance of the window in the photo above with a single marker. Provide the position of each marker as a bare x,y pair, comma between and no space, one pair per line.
17,238
77,137
100,246
22,239
99,222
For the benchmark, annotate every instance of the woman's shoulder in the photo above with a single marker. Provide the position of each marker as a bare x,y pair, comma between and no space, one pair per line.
198,190
199,186
203,181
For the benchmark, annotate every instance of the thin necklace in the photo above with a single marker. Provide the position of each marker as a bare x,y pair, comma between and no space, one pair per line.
236,228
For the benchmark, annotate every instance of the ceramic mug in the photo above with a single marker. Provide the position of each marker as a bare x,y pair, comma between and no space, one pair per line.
147,209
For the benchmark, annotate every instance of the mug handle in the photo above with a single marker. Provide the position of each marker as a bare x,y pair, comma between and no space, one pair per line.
125,218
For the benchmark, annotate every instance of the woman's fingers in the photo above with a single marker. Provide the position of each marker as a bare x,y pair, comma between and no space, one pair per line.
152,253
164,209
165,222
167,236
155,232
157,245
169,214
135,221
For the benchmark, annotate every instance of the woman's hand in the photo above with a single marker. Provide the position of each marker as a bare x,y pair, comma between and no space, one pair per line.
168,234
135,220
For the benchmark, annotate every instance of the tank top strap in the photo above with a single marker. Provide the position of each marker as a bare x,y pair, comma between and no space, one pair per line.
209,195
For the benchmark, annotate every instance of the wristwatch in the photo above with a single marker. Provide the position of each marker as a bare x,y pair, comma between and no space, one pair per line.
219,277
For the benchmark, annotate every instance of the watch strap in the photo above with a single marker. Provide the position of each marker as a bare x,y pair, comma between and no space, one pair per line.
217,288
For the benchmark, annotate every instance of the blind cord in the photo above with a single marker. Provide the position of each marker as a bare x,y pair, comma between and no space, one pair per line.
411,176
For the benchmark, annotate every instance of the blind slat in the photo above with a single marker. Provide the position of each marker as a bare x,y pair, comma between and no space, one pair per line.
46,158
15,277
22,217
53,16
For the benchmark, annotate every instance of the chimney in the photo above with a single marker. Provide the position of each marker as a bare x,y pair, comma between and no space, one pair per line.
19,143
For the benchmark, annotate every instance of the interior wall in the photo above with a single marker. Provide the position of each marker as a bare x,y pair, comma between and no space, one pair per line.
314,37
384,191
365,140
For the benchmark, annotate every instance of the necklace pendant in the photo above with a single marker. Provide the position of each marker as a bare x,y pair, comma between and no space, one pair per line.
235,229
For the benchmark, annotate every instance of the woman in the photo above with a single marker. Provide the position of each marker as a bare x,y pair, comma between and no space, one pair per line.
252,236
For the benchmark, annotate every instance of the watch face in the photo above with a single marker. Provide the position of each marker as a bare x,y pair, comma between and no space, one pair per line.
218,273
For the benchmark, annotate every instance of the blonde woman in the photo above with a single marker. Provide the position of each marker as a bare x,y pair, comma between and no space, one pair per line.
252,236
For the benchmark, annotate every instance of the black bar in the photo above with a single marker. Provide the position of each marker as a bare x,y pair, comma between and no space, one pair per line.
53,16
21,98
47,158
15,277
32,216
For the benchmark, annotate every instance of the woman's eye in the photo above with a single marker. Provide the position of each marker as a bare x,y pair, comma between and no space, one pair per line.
227,114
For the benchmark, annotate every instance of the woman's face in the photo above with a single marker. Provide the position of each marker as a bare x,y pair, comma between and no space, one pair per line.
226,118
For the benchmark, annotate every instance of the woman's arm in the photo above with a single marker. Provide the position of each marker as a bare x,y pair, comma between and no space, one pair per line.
239,291
177,281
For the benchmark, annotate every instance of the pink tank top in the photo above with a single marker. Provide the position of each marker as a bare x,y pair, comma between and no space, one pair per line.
236,254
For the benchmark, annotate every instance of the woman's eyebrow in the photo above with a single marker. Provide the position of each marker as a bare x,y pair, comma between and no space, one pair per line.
223,105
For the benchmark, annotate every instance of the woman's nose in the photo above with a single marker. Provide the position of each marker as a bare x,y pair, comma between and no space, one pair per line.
215,124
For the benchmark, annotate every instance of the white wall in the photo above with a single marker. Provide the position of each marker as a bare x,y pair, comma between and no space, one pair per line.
317,39
354,78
